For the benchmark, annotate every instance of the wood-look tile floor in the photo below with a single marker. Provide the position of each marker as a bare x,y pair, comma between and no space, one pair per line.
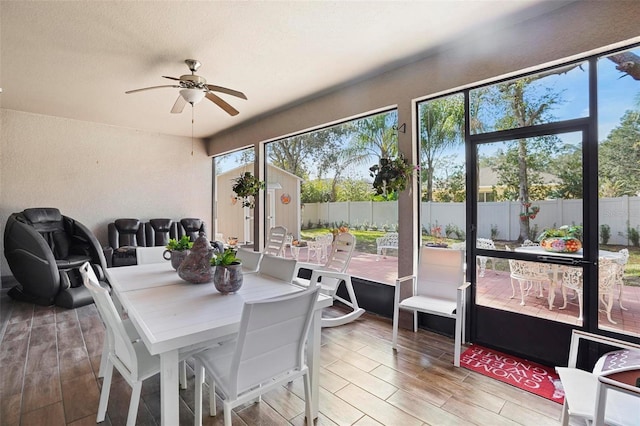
49,359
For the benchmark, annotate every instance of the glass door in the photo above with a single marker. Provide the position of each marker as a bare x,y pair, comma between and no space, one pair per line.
532,261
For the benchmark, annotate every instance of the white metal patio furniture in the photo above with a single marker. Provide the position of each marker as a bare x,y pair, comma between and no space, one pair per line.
597,397
274,246
387,241
268,352
572,279
332,273
319,247
438,289
622,262
485,243
529,275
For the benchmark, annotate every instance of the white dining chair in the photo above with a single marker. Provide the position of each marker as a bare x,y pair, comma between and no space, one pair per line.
528,275
250,259
274,246
127,353
438,289
269,351
595,397
485,243
278,267
332,273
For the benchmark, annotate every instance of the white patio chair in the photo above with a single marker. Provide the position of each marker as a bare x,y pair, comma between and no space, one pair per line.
595,397
572,279
439,289
320,247
528,275
622,262
127,353
278,267
529,243
332,273
250,259
274,246
485,243
268,352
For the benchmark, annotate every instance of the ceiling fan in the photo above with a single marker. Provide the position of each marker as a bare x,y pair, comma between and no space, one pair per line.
194,88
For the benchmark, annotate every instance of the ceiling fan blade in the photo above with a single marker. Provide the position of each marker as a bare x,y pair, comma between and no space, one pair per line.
227,91
179,105
150,88
171,78
222,104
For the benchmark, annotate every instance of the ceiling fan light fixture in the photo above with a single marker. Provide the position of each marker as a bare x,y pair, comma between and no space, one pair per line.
193,96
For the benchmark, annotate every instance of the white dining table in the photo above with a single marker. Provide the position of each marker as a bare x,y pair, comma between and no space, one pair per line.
172,315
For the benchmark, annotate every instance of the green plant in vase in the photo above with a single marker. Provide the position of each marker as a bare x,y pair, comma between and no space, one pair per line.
177,250
247,187
227,277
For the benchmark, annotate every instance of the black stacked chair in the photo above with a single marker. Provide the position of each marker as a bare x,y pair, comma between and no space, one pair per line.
159,231
44,250
124,236
191,227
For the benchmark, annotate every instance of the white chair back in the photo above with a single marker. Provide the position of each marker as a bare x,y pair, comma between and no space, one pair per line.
250,259
117,337
274,246
440,273
271,339
341,252
278,267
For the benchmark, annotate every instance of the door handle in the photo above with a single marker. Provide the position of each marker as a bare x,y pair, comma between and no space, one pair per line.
574,261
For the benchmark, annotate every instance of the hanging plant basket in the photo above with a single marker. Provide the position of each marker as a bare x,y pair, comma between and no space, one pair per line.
247,187
391,175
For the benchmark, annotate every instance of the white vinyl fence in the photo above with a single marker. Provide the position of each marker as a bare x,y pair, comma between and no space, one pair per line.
617,213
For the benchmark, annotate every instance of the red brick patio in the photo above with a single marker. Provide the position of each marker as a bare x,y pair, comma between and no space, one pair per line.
494,290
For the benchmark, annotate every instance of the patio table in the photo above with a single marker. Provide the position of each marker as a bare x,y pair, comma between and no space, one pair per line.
556,268
172,315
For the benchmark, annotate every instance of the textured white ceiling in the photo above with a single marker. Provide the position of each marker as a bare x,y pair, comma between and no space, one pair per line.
76,59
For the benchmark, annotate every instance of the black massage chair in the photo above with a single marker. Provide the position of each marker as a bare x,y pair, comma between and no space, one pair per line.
44,250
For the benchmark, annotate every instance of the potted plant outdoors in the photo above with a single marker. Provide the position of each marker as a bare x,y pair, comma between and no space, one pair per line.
177,250
247,187
565,239
391,175
227,277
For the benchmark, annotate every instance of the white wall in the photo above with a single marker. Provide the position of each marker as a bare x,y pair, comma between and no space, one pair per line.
97,173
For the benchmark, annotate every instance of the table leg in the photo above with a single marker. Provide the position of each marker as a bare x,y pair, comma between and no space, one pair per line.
313,360
169,388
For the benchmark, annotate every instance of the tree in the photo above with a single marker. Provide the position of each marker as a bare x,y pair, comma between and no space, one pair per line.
451,187
619,157
568,168
441,127
521,103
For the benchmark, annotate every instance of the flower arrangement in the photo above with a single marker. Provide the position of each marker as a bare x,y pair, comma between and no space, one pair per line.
247,187
391,175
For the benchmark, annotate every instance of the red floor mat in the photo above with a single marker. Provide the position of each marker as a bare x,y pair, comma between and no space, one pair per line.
523,374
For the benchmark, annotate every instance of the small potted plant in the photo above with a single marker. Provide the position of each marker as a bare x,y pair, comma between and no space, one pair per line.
227,277
566,239
391,175
247,187
177,250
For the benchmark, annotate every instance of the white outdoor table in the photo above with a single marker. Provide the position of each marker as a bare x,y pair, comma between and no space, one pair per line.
555,268
172,315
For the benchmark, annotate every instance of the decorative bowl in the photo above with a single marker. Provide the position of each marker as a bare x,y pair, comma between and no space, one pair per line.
561,244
